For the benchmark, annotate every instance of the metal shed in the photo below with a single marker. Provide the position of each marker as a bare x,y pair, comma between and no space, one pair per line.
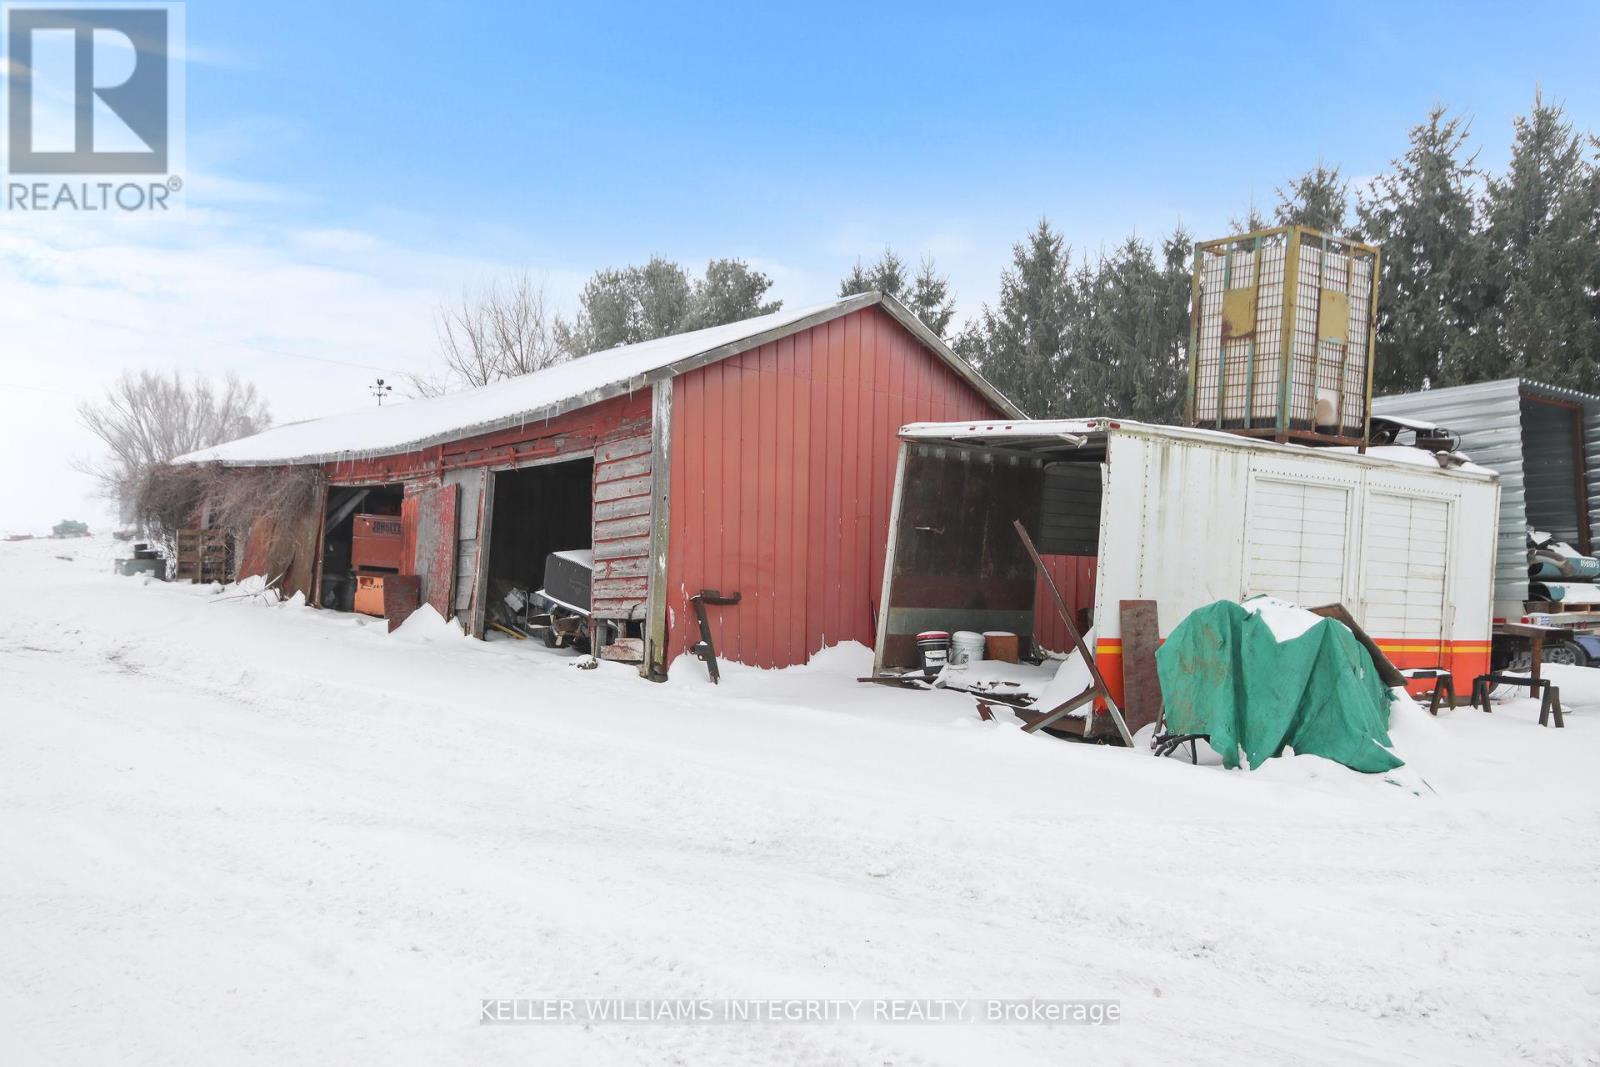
755,458
1544,441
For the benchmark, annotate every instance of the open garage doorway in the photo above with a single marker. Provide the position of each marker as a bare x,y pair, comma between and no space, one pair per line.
361,538
534,511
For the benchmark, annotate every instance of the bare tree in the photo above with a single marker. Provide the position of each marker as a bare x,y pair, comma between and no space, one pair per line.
502,331
148,419
172,496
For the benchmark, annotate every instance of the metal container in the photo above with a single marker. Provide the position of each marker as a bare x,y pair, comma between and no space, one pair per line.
1281,334
369,594
375,542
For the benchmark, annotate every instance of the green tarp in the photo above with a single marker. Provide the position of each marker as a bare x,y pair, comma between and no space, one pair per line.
1224,673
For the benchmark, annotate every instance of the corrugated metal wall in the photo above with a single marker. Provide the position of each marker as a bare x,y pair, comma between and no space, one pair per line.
1591,456
1074,577
1488,416
1531,446
782,466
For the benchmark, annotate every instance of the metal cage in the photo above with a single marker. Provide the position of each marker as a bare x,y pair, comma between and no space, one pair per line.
1282,324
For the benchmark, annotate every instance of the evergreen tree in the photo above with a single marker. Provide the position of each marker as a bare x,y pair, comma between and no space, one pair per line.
1131,331
621,307
1543,258
1020,345
930,298
927,295
1319,198
729,291
1252,221
887,275
1423,213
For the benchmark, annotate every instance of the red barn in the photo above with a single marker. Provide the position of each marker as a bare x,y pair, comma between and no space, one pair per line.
755,458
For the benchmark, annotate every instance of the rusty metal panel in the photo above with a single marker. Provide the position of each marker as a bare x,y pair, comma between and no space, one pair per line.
1333,316
1238,312
429,520
781,469
1141,686
402,595
375,542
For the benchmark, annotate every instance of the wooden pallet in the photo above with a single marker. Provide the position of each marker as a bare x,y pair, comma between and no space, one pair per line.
203,556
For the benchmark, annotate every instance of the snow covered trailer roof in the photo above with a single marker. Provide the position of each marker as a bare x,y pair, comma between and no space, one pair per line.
1544,441
1184,517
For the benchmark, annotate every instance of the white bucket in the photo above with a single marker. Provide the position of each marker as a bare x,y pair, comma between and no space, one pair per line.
966,646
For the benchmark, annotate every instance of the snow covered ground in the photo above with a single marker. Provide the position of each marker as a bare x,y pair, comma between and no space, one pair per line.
239,832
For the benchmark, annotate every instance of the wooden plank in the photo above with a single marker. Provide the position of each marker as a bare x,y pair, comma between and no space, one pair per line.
636,567
657,523
626,507
620,588
1387,671
622,608
626,487
624,468
632,548
1033,724
1141,686
622,529
622,448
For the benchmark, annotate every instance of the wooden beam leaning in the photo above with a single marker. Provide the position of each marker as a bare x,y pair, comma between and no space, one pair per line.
1077,638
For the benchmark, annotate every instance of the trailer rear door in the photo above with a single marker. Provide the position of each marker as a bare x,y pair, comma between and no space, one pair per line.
1408,546
1296,541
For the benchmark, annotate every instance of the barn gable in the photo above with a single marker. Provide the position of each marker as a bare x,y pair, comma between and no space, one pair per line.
782,464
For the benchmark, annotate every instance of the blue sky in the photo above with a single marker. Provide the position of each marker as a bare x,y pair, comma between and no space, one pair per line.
594,136
353,165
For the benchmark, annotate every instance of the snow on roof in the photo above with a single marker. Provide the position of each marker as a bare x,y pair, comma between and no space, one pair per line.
402,427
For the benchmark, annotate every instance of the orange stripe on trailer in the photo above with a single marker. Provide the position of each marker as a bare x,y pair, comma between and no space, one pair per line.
1465,660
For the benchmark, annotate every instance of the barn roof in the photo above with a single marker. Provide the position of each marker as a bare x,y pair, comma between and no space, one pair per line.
577,383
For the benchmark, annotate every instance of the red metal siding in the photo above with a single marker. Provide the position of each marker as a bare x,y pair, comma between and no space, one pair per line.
428,542
1074,576
783,464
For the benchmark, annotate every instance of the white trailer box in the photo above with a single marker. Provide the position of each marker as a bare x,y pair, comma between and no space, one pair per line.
1186,517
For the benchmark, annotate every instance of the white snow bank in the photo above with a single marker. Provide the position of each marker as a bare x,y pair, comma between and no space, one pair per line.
426,625
399,427
1287,620
1017,679
232,832
1071,678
